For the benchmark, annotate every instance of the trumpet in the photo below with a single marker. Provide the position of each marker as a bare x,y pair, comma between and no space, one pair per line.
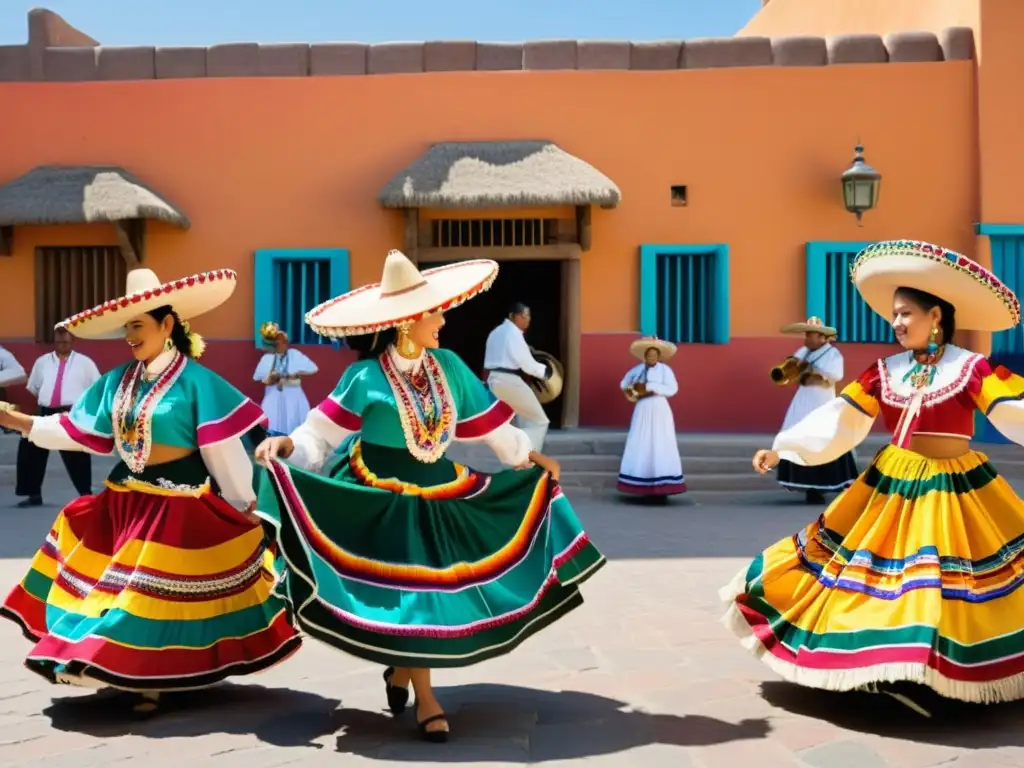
788,371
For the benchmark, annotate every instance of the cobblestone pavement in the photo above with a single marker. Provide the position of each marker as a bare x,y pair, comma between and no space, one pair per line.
642,675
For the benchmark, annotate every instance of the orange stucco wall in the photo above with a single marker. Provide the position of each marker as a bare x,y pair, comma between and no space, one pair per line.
837,17
297,162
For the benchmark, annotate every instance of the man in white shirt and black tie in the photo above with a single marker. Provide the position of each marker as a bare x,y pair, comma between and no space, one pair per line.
57,381
508,359
11,373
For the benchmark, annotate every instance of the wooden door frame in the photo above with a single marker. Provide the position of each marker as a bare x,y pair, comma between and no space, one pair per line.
569,254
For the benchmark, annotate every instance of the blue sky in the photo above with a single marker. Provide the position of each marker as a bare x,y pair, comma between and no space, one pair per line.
205,22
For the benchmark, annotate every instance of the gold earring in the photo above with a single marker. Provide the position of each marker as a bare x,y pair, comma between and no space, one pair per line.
406,347
168,344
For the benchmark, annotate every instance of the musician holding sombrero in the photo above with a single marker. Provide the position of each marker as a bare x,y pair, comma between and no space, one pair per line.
650,462
815,367
511,366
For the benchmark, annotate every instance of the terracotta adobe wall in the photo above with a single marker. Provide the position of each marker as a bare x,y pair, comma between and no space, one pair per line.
58,52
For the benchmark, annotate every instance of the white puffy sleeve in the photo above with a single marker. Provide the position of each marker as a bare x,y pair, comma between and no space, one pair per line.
51,433
316,439
231,468
510,444
838,426
666,385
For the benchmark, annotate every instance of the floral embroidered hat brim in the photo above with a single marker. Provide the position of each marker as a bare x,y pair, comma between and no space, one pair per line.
666,349
811,325
189,297
981,300
404,295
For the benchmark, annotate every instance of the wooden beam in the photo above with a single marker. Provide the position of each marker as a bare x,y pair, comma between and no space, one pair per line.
412,233
560,252
124,240
571,343
6,241
137,234
583,226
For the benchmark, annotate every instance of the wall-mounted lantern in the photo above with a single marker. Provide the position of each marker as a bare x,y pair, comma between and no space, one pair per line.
860,185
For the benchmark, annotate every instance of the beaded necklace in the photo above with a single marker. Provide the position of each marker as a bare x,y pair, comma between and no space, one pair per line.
920,376
426,409
134,403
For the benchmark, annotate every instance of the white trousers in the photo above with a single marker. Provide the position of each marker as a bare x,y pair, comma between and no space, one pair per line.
516,393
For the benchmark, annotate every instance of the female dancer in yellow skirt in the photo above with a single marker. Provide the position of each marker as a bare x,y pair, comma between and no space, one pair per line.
162,581
912,575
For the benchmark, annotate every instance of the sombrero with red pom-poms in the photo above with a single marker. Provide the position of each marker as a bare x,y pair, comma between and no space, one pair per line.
189,297
982,301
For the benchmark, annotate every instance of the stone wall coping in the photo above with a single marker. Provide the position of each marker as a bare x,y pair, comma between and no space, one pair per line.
73,59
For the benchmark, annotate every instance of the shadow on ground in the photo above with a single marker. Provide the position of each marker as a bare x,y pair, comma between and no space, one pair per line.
489,722
952,723
512,724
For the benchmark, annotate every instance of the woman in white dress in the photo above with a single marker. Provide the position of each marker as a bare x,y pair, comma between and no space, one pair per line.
282,371
650,463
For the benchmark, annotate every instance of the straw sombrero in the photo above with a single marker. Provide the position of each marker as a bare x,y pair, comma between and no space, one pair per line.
189,296
813,325
404,295
665,348
982,301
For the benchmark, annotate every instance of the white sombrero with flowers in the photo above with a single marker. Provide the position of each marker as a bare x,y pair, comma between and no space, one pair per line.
189,297
811,325
666,349
981,300
404,295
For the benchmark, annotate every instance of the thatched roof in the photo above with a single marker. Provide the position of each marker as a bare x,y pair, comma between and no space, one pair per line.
495,174
82,194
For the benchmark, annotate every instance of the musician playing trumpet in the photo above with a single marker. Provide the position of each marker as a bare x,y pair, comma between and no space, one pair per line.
815,367
651,465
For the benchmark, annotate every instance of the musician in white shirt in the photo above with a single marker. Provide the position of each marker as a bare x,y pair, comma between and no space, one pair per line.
11,373
508,360
57,380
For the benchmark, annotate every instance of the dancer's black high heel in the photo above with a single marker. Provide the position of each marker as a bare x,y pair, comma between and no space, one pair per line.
398,697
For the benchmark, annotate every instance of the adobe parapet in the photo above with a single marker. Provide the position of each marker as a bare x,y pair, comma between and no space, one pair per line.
73,58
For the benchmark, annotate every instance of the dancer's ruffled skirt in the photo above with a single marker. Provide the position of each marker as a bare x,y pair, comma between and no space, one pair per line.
154,584
445,567
912,574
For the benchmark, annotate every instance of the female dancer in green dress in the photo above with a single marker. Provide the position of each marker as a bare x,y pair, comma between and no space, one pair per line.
403,557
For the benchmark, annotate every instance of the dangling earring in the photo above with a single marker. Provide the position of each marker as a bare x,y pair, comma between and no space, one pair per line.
168,344
406,347
933,345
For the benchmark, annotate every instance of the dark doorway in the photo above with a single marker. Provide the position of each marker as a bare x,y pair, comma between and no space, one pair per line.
538,284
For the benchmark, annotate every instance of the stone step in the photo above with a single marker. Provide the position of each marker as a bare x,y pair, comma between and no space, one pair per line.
603,481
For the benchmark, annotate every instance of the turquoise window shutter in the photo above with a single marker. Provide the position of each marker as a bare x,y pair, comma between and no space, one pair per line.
832,296
1007,257
684,293
290,282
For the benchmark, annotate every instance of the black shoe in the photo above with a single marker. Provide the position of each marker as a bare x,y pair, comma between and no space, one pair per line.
438,736
31,501
398,697
815,497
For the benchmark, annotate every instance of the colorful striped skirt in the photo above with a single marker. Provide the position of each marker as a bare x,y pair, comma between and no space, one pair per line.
154,584
912,574
424,565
